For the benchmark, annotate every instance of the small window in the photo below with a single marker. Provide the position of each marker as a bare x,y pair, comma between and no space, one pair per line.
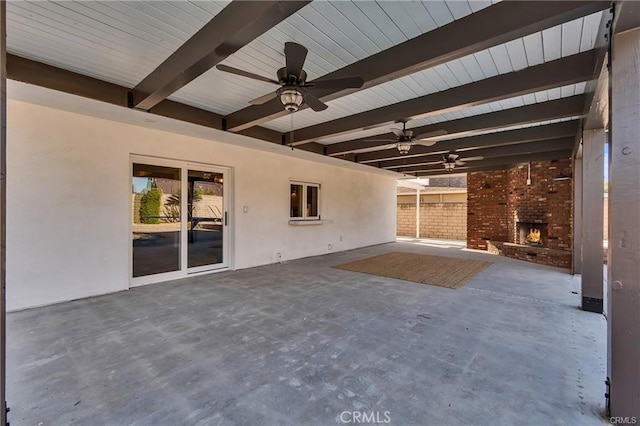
305,201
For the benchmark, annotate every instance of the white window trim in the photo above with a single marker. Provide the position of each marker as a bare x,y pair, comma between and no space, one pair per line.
304,217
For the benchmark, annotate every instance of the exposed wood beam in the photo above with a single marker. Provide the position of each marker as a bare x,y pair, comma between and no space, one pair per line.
596,105
489,27
39,74
444,173
236,25
550,110
493,152
627,16
493,162
508,137
560,108
572,69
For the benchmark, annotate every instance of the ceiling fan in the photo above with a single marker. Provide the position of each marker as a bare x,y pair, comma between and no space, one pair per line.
292,79
451,160
405,139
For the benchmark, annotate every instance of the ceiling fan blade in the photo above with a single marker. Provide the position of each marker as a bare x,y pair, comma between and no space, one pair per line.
383,147
338,83
314,103
474,158
451,156
426,142
432,134
378,140
248,74
460,163
262,99
295,55
398,132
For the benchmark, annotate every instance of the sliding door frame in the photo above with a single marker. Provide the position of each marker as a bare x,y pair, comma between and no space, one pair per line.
227,230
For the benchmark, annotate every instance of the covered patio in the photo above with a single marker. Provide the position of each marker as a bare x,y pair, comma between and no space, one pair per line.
179,179
304,343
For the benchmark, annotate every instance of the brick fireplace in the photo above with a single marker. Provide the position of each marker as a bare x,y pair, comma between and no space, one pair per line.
525,219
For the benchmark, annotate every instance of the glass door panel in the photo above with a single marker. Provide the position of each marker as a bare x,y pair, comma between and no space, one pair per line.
206,219
156,219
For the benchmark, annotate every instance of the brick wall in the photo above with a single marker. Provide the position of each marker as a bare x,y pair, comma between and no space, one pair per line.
500,199
487,198
437,220
545,200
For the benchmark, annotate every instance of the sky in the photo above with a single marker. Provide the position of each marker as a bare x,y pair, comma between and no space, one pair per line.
606,163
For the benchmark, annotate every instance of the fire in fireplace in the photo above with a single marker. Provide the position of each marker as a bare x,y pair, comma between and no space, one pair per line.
532,234
533,237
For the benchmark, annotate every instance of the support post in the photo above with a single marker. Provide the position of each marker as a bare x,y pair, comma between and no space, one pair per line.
577,216
592,219
3,210
623,313
418,213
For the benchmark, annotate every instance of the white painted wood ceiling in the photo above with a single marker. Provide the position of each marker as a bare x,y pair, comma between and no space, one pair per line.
119,42
554,43
122,42
337,33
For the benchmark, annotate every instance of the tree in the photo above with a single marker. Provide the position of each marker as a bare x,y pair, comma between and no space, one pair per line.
150,206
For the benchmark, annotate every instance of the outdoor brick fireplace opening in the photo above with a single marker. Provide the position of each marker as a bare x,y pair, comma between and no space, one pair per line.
532,234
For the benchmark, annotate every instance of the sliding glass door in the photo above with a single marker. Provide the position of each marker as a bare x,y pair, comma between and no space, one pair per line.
172,234
156,231
206,209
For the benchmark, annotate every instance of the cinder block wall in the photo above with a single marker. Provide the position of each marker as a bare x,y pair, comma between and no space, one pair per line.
406,220
437,220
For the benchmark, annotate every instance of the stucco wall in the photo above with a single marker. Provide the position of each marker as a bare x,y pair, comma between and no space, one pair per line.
69,202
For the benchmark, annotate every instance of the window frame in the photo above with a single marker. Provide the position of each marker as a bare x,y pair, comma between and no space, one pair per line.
304,217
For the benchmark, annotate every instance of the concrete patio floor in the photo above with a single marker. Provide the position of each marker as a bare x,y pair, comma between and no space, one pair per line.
302,343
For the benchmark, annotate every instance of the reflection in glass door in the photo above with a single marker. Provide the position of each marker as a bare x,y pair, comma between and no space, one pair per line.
156,219
206,218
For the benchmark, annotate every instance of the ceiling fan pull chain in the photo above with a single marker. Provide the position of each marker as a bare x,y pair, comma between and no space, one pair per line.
291,135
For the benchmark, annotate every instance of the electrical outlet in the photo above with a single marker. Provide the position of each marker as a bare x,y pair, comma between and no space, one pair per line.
245,209
279,257
340,237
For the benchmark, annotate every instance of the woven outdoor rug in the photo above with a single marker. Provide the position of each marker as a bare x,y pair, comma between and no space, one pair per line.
435,270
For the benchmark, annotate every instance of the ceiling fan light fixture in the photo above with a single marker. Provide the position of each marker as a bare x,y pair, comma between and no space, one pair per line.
291,98
449,166
404,147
